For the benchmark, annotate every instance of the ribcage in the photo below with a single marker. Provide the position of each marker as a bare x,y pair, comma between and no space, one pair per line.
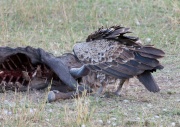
17,72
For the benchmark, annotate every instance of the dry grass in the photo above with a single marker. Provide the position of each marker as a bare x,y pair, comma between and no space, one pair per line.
56,25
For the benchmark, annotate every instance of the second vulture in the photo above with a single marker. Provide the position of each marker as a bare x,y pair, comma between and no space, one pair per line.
112,55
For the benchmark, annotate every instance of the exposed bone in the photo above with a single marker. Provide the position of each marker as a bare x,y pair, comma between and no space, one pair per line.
24,67
10,79
4,78
9,65
4,67
34,74
13,62
45,68
39,71
10,83
26,75
23,81
18,58
18,84
30,65
17,79
1,72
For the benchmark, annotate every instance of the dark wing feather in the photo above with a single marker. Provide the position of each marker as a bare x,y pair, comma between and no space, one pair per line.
145,60
138,65
150,52
114,33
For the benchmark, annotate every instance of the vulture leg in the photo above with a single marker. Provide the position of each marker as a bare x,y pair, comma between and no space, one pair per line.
120,87
79,72
99,91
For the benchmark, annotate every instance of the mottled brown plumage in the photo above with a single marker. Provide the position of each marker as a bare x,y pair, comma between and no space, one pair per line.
112,55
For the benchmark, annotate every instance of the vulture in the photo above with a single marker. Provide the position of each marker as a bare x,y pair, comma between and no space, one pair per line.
110,54
107,56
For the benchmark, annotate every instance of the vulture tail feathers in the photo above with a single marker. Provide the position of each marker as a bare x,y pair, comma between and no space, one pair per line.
148,81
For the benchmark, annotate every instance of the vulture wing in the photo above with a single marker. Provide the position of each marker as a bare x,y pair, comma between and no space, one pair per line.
110,52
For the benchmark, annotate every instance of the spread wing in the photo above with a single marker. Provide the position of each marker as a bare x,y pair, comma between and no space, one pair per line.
111,52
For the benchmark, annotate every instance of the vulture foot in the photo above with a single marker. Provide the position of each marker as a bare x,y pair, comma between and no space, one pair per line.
118,91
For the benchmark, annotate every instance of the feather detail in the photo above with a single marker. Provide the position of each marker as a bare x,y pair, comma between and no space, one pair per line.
114,33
